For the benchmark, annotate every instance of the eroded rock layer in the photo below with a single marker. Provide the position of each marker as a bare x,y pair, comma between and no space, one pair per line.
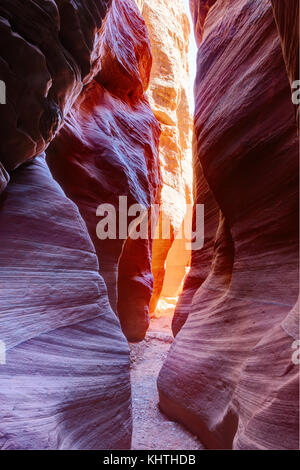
48,50
65,383
229,376
168,93
287,20
107,149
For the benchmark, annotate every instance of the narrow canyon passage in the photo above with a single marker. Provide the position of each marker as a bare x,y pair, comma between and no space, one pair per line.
171,98
210,379
98,316
151,428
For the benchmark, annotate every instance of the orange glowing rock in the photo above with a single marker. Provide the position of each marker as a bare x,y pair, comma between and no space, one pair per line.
168,93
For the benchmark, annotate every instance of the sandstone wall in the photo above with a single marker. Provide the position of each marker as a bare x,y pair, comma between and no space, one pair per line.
80,68
169,92
229,376
48,50
67,367
287,20
108,148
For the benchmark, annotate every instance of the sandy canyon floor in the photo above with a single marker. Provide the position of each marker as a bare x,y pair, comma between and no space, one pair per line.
152,430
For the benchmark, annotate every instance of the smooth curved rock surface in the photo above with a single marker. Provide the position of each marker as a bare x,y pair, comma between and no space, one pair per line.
108,148
229,376
48,50
269,387
65,384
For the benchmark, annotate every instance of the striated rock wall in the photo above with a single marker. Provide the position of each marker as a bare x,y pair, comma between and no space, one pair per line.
229,376
287,20
107,149
80,68
168,93
66,374
78,72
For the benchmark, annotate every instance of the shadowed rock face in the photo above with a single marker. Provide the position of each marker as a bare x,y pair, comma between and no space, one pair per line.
109,148
229,376
48,49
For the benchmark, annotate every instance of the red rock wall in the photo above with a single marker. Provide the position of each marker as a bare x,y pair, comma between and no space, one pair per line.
48,50
287,20
67,367
109,148
81,68
229,376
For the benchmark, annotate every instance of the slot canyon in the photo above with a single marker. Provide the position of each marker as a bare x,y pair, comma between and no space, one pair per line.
149,342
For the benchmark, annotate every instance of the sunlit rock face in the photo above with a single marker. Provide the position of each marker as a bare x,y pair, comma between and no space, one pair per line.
168,93
109,148
230,375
